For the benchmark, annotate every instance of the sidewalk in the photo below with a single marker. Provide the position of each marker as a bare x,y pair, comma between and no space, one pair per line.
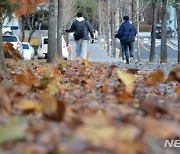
97,53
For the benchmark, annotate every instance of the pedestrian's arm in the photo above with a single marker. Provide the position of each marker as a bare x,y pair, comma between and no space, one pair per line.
71,29
120,31
90,29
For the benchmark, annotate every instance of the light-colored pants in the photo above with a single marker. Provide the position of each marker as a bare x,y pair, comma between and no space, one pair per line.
81,48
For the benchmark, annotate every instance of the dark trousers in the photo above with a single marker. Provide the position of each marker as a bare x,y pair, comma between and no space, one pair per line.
128,49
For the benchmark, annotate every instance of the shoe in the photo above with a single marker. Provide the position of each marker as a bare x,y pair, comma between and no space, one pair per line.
124,61
131,60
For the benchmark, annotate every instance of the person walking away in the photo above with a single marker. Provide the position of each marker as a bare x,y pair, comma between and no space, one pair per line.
126,34
81,29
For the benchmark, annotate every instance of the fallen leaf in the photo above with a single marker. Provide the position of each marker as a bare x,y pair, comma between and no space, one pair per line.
42,70
128,80
12,131
52,108
28,79
26,105
155,77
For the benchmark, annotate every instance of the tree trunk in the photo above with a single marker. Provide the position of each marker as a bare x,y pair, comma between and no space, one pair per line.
52,54
3,70
59,30
23,30
108,28
163,33
133,10
138,23
153,32
178,27
100,20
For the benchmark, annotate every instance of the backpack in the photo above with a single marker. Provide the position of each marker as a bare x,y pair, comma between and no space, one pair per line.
80,33
128,39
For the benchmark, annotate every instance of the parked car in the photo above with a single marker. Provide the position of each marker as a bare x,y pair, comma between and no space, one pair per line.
6,30
43,48
14,40
28,51
169,31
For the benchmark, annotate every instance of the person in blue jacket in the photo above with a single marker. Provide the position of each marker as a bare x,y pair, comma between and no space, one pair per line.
126,34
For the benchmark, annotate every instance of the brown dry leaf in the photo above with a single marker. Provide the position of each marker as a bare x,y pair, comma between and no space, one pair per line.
28,79
125,98
97,129
89,83
9,49
152,107
1,78
132,71
42,70
82,70
178,90
128,133
55,73
53,109
35,148
174,74
105,87
126,147
155,77
160,128
6,98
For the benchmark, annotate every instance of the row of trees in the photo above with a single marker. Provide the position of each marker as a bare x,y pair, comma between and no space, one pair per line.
112,11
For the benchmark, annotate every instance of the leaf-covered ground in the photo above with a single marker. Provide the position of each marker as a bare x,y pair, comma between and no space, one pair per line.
98,108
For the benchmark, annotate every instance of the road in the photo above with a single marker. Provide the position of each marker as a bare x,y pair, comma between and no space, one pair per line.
145,45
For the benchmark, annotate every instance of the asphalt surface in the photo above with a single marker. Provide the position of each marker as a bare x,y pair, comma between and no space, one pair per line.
98,53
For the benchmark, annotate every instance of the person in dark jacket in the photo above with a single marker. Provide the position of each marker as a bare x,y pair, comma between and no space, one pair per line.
126,30
81,29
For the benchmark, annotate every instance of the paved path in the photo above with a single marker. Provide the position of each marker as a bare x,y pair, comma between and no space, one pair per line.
97,53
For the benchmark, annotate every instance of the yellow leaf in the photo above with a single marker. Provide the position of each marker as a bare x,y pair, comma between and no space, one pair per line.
86,63
178,90
64,65
126,78
43,83
53,88
28,105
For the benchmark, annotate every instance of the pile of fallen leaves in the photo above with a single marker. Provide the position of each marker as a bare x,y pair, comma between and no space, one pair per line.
97,108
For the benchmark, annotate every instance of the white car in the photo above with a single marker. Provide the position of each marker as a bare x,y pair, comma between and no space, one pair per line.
6,30
13,39
28,51
43,48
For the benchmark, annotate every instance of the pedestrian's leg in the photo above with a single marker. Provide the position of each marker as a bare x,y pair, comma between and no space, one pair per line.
84,49
78,48
123,52
131,49
126,52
